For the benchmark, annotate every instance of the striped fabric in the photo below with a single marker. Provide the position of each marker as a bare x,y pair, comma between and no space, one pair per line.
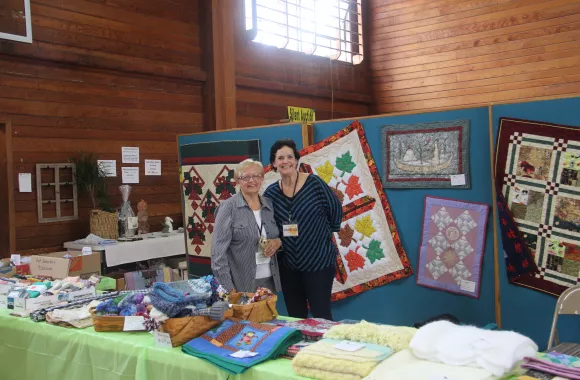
318,213
235,243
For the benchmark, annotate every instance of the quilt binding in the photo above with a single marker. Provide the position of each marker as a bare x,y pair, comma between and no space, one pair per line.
482,248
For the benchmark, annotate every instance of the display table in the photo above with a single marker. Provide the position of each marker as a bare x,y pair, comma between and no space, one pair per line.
39,351
153,246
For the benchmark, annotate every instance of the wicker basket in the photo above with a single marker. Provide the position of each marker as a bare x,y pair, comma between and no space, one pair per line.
261,311
182,330
105,224
107,323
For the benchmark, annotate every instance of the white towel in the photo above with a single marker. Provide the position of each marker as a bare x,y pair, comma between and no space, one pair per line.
495,351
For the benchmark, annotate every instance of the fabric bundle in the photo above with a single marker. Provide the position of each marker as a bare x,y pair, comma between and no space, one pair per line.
554,363
322,360
294,349
312,329
171,301
395,337
495,351
236,346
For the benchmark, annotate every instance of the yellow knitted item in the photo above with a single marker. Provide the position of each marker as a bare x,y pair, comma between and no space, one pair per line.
323,368
395,337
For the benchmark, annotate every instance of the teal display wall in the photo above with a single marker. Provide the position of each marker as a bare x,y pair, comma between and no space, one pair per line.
403,302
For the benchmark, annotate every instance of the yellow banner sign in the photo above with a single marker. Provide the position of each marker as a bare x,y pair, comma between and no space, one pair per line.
301,114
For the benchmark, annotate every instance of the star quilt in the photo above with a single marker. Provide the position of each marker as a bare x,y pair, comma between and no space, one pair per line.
452,246
537,174
371,253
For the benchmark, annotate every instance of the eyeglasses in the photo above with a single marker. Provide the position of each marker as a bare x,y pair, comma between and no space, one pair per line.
246,178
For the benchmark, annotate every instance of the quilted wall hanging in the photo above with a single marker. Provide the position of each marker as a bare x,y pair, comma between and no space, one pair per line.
208,178
452,246
426,155
537,174
371,253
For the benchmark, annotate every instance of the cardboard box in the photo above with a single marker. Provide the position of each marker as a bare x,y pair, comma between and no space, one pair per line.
56,265
31,304
9,271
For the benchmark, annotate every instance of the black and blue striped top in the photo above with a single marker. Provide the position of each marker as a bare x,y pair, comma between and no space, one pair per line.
318,213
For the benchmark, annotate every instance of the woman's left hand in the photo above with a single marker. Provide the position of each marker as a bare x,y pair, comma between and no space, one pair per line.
271,247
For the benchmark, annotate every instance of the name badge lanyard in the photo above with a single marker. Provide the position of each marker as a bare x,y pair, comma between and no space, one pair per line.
293,194
259,227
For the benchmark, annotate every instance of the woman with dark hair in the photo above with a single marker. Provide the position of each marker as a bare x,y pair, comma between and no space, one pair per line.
307,213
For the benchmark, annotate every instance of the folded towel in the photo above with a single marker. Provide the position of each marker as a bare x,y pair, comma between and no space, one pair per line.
395,337
495,351
217,345
330,363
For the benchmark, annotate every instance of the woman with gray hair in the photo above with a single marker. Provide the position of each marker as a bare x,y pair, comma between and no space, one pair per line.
245,238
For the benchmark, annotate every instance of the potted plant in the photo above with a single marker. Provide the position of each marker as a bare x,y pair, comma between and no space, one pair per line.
90,178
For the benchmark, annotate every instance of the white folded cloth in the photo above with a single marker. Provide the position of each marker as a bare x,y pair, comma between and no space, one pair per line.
495,351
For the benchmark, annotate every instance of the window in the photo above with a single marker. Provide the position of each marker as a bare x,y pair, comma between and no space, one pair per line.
326,28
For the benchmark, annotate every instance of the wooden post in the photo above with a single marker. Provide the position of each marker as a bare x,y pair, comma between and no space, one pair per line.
307,135
224,75
495,232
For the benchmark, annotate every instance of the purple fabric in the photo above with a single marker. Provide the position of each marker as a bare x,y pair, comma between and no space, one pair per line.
552,368
452,245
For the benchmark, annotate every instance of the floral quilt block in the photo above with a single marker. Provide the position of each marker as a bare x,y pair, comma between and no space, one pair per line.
452,246
371,253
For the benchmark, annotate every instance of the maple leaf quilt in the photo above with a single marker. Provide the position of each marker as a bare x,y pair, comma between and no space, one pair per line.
371,253
452,246
538,179
208,178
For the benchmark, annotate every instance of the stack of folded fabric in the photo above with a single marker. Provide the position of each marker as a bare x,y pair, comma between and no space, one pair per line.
395,337
294,349
554,363
495,351
326,360
312,329
235,346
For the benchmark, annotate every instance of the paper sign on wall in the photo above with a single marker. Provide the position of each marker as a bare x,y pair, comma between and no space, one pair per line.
54,267
152,167
109,167
130,155
301,114
25,182
130,174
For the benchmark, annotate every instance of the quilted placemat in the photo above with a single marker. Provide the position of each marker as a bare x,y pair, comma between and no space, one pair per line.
371,253
425,155
452,245
537,174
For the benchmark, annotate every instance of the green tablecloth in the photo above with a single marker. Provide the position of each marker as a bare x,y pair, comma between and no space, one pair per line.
39,351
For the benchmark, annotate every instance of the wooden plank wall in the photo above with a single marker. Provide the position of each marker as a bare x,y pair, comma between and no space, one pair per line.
270,79
428,54
99,76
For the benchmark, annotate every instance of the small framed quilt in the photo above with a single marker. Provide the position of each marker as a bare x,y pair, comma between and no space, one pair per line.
426,155
370,249
452,246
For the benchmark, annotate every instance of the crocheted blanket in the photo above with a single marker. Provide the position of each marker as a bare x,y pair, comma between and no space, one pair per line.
395,337
262,341
370,249
322,360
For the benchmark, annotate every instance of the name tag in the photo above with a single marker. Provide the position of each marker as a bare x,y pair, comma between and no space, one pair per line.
290,230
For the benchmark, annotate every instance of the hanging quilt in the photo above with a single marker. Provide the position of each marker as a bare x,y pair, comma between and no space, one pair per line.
208,178
452,246
371,253
426,155
537,174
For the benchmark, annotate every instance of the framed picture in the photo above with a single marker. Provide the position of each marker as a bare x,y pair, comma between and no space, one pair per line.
426,155
16,21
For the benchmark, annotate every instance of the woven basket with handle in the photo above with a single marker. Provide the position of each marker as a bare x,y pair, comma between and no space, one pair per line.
261,311
182,330
107,323
105,224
